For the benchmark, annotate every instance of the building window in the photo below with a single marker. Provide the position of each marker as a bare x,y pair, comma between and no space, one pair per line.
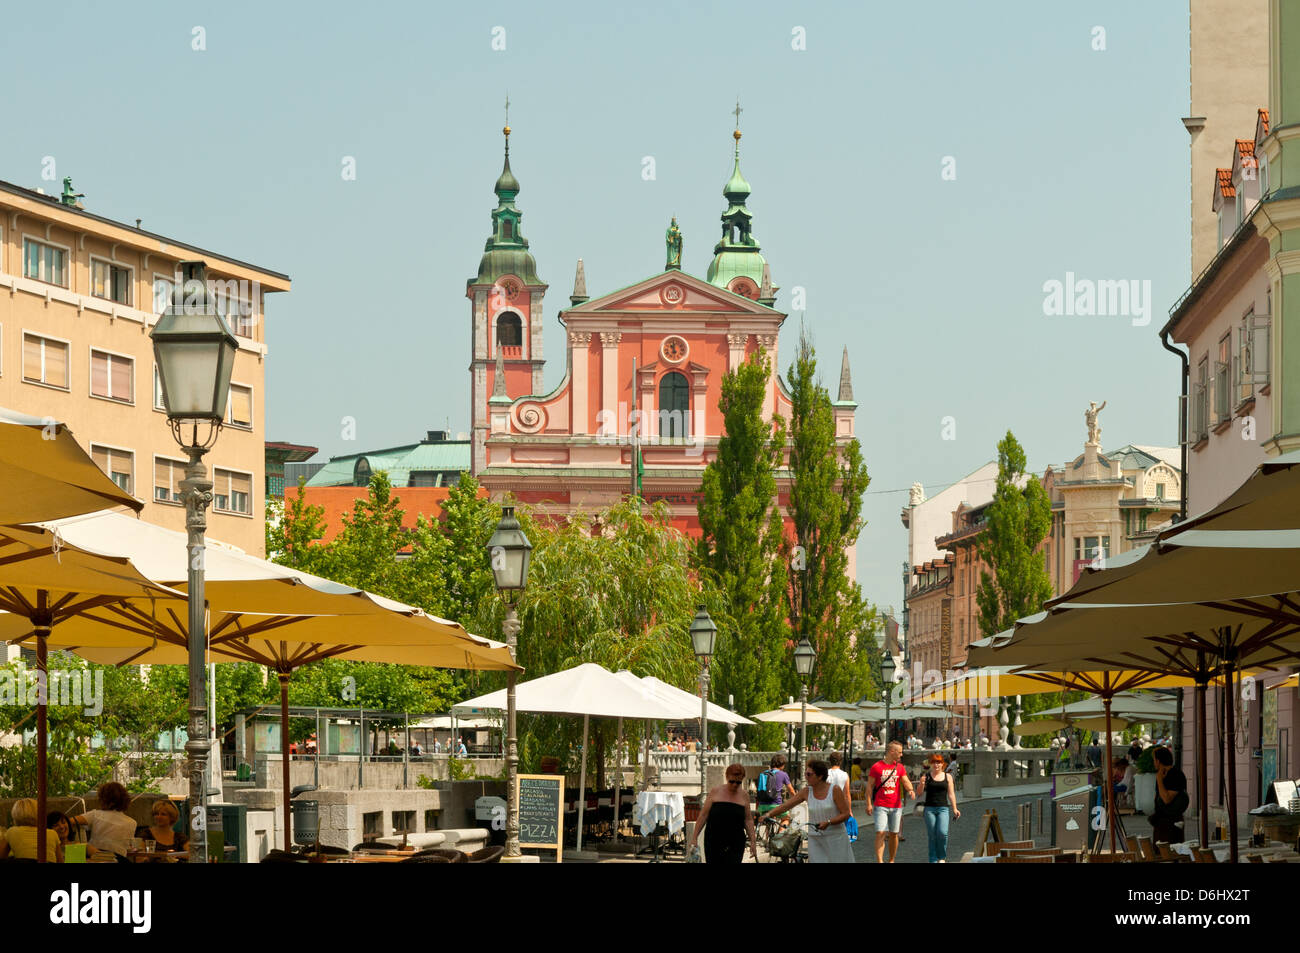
1160,491
110,281
45,263
237,312
158,402
1222,372
239,409
167,476
674,406
507,230
45,361
361,473
232,492
1200,401
510,330
1252,353
118,464
162,293
1090,547
112,376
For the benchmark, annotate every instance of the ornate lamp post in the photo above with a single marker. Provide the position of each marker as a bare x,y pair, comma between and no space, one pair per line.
805,657
703,634
510,551
195,351
887,668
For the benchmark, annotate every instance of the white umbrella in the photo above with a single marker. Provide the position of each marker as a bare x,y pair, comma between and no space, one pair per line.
793,715
584,690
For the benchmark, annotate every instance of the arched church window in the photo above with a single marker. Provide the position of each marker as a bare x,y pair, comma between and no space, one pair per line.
507,230
361,473
510,330
674,406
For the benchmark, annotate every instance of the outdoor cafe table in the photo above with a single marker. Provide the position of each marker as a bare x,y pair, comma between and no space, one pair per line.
659,807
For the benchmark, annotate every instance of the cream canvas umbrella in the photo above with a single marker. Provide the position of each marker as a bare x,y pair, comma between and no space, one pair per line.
1127,708
590,691
46,584
257,612
44,473
793,714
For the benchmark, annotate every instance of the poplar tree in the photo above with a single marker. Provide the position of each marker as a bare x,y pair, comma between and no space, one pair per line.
827,483
741,547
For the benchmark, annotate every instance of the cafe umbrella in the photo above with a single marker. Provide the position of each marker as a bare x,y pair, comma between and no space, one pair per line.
257,612
47,584
44,473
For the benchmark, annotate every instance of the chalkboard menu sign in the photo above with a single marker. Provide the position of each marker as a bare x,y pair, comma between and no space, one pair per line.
541,811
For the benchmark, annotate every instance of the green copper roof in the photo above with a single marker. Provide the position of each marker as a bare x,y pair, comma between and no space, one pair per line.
737,253
728,265
737,189
398,462
506,251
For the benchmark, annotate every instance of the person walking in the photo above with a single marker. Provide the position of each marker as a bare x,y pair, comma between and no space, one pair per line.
828,809
885,793
727,822
940,796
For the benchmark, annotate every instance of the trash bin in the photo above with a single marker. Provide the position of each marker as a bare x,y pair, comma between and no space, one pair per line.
244,771
306,821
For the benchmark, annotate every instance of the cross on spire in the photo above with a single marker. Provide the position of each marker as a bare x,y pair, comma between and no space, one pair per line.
737,112
507,109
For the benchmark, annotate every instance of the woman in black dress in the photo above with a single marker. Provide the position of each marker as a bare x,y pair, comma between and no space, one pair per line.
727,821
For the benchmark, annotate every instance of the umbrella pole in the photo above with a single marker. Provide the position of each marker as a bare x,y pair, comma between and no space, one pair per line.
1231,740
42,724
284,750
1202,782
582,778
1108,779
618,770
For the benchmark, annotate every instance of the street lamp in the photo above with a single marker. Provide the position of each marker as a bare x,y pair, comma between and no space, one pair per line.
703,634
887,668
805,657
510,551
195,352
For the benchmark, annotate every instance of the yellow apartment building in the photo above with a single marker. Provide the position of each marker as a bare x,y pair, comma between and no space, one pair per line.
79,295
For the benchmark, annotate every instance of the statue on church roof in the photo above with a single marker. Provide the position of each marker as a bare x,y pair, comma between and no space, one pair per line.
673,238
1090,415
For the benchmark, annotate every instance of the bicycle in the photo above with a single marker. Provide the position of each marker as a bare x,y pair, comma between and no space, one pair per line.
788,846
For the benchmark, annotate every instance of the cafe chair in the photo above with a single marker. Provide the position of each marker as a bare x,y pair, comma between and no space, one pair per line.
486,855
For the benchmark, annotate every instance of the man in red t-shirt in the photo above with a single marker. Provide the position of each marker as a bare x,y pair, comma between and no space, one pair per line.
888,783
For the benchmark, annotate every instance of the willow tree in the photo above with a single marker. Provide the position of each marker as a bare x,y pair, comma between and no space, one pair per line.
741,547
617,591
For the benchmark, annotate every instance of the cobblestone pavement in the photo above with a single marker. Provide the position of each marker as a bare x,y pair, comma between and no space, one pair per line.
914,848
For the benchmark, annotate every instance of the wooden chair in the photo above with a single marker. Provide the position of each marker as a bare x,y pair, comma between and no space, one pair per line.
1108,858
1020,857
994,848
1255,859
1167,852
1131,842
1204,856
1147,849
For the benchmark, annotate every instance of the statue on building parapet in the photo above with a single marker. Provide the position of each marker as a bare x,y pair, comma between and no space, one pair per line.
916,495
673,238
1090,415
69,197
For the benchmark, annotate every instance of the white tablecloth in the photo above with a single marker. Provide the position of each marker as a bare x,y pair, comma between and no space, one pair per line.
659,807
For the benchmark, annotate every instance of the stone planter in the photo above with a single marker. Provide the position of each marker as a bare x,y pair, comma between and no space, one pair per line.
1144,792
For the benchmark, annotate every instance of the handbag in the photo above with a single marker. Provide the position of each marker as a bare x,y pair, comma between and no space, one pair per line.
851,828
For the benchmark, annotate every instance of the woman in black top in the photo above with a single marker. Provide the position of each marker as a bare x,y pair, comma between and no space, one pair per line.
1171,799
727,821
940,797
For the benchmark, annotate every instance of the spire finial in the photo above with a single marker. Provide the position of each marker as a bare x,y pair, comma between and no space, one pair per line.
737,111
506,130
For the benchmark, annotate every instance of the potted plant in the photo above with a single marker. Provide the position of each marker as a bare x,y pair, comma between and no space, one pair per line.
1144,782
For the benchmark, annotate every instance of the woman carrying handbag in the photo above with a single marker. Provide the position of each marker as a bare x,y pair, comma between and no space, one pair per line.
939,796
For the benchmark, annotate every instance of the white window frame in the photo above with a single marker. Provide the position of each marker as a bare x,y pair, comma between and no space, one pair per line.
216,487
68,261
153,480
230,408
157,398
153,292
224,301
113,263
90,377
112,449
44,337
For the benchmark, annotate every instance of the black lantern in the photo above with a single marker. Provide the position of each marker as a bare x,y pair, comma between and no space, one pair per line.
805,657
703,633
195,350
887,669
509,550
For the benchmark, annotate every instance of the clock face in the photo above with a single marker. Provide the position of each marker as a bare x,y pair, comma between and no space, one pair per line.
745,287
673,349
510,288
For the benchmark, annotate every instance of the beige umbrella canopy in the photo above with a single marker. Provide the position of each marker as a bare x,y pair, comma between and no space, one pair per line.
43,585
257,611
793,715
44,473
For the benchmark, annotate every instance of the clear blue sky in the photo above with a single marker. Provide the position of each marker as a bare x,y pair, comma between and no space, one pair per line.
1067,159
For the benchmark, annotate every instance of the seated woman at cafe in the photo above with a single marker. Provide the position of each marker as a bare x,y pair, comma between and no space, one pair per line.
111,828
162,830
20,840
65,827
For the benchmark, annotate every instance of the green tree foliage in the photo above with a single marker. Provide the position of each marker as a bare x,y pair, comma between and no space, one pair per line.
825,505
740,551
1018,520
619,593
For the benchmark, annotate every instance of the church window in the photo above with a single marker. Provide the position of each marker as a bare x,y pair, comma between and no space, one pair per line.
510,330
361,473
674,406
507,229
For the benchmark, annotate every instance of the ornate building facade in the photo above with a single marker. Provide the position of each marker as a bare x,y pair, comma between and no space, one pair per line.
644,367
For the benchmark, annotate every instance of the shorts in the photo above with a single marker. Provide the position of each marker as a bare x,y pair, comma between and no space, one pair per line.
887,818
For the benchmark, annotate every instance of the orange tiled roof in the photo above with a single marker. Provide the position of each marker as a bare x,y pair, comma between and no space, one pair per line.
415,501
1226,188
1246,147
1263,121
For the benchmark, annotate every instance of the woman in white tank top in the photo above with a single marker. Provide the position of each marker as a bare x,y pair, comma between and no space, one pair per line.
828,809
